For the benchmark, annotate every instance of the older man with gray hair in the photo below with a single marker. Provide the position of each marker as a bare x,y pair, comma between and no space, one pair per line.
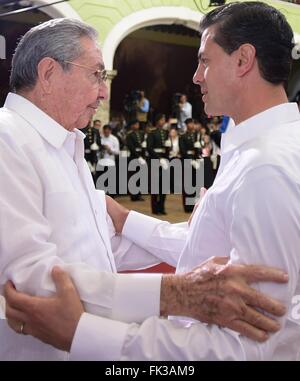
51,214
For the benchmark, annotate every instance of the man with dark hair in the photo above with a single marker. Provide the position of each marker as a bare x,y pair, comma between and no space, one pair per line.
143,108
250,214
110,144
258,25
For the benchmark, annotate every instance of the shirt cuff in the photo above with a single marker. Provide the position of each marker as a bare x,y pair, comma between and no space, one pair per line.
144,225
98,339
136,297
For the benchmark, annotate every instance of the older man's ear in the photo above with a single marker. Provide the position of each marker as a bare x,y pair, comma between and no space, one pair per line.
47,71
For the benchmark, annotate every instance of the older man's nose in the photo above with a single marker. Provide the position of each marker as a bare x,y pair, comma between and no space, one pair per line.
103,91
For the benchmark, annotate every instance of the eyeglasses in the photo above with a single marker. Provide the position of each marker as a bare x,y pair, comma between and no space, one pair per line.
101,75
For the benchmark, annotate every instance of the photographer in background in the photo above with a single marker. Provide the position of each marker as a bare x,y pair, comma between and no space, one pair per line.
185,112
142,110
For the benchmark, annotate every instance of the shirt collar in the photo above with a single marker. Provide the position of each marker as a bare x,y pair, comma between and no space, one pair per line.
54,133
259,124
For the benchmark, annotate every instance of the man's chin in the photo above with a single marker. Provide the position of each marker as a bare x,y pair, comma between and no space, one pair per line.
210,111
83,122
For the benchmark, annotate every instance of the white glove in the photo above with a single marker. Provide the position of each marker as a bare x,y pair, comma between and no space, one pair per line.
197,145
164,163
124,153
195,164
144,144
168,143
141,160
94,147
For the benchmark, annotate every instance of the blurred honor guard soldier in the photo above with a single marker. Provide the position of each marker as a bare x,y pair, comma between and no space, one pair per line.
188,150
174,153
156,145
92,144
134,140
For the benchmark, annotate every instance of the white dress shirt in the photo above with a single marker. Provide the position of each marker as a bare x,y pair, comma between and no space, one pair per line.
109,158
252,215
185,113
51,214
2,307
175,151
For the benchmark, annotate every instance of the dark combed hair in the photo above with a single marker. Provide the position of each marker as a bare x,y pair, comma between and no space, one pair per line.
260,25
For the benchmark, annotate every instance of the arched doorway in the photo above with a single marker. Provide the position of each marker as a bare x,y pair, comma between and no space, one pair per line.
161,60
163,16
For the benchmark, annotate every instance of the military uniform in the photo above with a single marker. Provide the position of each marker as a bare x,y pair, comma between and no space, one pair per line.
188,151
92,145
134,142
174,154
157,150
187,145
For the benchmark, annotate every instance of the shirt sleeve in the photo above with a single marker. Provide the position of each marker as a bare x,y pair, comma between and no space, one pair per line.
28,252
128,255
156,339
162,239
157,242
187,110
146,105
263,230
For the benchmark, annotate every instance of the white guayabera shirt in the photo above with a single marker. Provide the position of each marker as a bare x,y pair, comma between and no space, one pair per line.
252,214
2,307
113,143
51,214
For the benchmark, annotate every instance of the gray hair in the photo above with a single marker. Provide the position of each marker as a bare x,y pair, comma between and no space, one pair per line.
58,39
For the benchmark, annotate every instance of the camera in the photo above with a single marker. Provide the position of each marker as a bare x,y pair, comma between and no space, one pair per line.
131,101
